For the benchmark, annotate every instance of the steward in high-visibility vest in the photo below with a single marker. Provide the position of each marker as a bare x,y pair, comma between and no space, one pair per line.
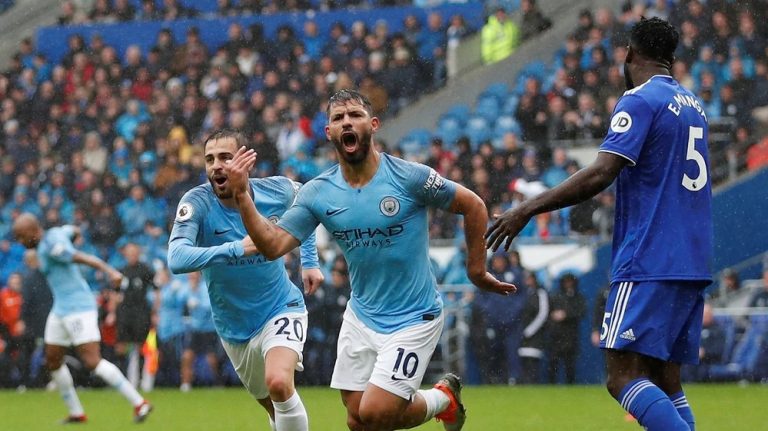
499,37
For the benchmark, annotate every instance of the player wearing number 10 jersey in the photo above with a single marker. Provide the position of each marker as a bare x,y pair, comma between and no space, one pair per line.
656,150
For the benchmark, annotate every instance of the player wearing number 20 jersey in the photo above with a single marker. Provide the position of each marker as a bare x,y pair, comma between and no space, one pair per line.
246,291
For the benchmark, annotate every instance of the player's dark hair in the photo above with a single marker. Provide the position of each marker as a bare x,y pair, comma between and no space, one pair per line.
341,97
227,133
655,39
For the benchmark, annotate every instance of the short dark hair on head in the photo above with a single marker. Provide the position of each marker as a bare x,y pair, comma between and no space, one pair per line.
655,39
227,133
341,97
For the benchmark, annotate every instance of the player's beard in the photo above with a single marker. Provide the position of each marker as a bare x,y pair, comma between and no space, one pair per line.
627,78
363,148
221,194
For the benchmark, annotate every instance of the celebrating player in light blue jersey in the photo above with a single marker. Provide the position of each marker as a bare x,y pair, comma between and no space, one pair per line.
258,312
73,320
656,149
375,207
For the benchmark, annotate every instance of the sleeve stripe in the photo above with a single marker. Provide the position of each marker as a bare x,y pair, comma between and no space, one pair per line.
618,154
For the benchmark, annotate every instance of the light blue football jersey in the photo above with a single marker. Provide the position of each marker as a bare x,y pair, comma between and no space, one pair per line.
199,306
71,293
663,228
382,231
170,314
245,291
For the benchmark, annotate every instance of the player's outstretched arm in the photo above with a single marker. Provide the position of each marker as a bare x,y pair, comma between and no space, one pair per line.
579,187
184,257
475,215
114,276
271,240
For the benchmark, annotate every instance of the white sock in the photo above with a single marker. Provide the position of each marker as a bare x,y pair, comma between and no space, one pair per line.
272,425
290,414
147,380
112,375
63,380
133,367
436,401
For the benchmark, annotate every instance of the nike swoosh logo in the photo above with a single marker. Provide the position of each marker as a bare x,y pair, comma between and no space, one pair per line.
331,213
397,379
221,232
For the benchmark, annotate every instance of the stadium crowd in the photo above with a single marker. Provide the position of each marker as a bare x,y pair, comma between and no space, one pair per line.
110,142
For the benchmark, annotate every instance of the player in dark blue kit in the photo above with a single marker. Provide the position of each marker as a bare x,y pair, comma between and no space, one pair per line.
656,150
375,207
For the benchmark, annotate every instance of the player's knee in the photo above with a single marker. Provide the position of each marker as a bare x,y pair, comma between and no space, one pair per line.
354,424
90,361
280,387
375,419
53,362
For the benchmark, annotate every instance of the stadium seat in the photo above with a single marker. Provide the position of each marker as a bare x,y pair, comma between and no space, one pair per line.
504,124
449,129
537,69
510,104
499,90
459,111
415,143
488,108
478,130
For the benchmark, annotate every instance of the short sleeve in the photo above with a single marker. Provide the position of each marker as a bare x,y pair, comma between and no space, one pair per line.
61,248
189,214
629,127
430,187
299,221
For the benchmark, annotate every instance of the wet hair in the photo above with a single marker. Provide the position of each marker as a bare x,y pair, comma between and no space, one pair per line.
227,133
341,97
655,39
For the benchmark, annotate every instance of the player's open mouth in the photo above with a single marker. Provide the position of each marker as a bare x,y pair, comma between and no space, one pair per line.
220,180
349,140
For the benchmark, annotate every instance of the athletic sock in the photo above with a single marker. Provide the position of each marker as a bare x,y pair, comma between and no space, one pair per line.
651,406
290,414
683,409
66,385
112,375
436,401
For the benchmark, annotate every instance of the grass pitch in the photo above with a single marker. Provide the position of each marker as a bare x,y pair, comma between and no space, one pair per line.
490,408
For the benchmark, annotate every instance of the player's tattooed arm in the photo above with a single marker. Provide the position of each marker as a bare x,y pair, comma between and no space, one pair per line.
270,240
475,215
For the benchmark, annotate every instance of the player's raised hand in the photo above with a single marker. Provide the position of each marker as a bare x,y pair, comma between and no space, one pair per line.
238,169
506,227
312,279
489,283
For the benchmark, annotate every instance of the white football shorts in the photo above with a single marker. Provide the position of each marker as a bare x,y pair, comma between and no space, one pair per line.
73,329
284,330
394,362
